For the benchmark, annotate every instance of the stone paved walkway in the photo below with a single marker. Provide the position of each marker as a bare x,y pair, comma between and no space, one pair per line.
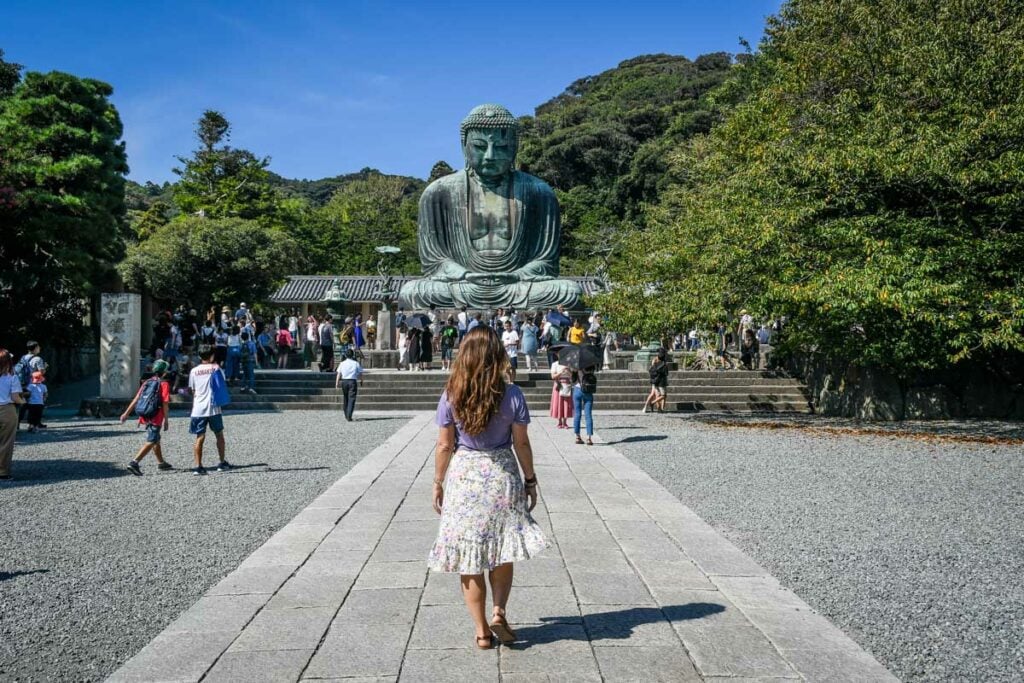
636,587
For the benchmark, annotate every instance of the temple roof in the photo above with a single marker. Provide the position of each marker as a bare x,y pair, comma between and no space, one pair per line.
310,289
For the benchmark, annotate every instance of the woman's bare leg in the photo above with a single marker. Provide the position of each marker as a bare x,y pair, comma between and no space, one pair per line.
474,592
501,584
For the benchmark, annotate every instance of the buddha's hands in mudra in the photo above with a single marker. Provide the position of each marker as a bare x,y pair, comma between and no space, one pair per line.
492,278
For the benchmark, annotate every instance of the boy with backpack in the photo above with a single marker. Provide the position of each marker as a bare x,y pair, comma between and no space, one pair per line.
151,404
30,363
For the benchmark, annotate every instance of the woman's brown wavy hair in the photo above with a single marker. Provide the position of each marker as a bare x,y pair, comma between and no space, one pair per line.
477,384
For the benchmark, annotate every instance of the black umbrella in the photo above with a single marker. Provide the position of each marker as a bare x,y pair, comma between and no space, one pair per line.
578,357
419,320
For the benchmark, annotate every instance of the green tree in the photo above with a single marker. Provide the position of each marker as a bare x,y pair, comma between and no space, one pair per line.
205,261
62,214
219,181
440,170
365,214
10,76
870,187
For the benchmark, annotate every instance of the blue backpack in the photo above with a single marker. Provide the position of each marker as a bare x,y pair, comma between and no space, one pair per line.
149,401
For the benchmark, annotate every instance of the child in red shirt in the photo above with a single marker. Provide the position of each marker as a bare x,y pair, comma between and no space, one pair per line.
153,424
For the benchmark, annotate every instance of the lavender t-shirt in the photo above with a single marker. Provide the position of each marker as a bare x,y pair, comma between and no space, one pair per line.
498,434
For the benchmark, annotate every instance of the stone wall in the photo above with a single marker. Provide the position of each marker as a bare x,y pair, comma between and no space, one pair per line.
976,390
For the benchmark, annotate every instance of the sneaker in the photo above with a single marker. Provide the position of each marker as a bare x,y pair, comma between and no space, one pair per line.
223,466
165,466
198,471
134,468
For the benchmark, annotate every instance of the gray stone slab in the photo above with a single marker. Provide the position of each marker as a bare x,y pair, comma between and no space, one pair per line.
249,580
793,629
273,666
330,561
541,571
441,627
550,649
424,528
366,649
632,528
628,626
284,629
721,641
281,555
313,589
442,589
759,592
379,606
653,548
645,664
174,657
664,576
604,588
542,605
837,665
356,679
607,560
349,539
451,666
223,613
376,575
714,554
403,549
301,533
579,677
317,516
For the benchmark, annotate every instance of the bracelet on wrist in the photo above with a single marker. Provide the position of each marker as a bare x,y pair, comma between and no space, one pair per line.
531,480
439,482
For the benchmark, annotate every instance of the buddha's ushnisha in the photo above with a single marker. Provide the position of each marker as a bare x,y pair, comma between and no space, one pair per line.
489,235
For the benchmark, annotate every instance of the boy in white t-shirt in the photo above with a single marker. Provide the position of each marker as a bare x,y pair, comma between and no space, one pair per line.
510,340
206,414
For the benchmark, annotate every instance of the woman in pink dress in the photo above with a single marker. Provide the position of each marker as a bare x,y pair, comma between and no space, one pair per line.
561,404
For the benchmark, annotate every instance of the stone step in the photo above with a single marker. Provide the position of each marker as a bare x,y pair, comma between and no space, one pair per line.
532,394
719,406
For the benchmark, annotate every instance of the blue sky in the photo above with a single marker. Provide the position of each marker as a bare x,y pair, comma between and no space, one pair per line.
325,88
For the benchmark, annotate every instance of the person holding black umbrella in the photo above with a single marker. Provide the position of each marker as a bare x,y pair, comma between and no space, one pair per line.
582,363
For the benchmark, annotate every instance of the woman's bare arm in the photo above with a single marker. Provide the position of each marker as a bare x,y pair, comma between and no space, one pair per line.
442,456
524,452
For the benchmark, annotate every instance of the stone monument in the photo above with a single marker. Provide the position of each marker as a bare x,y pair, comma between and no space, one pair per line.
489,235
120,345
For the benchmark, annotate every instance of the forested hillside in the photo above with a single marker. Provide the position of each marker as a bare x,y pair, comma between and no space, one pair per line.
603,145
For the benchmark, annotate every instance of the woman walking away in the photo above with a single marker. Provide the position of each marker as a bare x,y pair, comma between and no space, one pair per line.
561,394
415,348
426,348
584,384
529,343
10,396
483,502
284,347
659,383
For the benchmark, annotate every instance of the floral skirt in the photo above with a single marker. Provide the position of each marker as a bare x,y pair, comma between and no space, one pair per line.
484,521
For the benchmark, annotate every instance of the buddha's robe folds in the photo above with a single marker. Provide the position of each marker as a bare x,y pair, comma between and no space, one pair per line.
525,273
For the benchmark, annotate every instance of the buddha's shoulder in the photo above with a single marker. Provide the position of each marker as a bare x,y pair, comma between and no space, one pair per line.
445,185
533,184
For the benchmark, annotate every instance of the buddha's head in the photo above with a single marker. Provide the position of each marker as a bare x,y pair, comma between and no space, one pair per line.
490,140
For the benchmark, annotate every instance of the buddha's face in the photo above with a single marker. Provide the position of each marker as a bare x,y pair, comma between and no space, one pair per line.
490,152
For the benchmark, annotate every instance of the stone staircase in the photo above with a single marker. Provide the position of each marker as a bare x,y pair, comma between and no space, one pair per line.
728,391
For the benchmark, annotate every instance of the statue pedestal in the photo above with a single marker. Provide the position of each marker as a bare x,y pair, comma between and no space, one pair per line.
384,330
120,345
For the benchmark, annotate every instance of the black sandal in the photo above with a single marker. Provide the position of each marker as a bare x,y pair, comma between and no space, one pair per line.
579,440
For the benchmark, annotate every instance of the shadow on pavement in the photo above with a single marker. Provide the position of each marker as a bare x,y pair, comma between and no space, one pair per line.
635,439
617,625
4,576
47,471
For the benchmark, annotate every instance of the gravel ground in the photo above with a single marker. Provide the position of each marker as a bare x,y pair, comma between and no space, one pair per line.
913,546
95,562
